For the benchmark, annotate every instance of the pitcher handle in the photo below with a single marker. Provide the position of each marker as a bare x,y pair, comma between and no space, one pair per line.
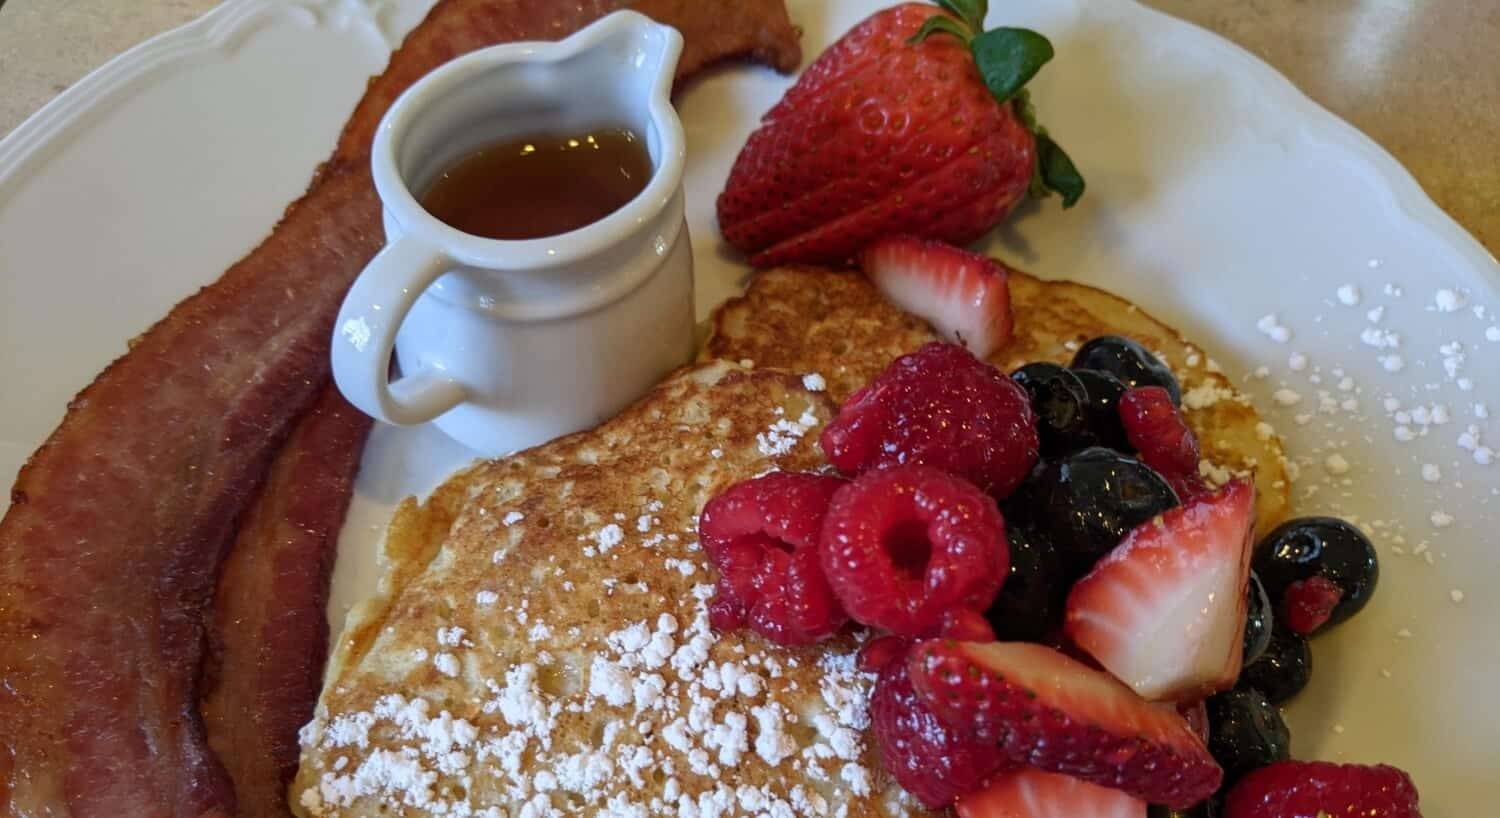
365,335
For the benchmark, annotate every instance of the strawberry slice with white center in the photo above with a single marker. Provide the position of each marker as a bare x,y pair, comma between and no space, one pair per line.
1037,794
963,295
1045,710
1165,610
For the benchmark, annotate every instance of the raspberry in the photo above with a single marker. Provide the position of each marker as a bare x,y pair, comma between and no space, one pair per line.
926,757
965,625
904,545
762,536
942,407
1157,431
1292,789
1309,602
879,652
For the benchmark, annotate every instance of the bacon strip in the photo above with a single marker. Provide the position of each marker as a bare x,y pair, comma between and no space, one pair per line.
111,548
270,631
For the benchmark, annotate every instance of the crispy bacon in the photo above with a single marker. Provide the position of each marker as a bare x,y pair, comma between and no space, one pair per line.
270,632
111,548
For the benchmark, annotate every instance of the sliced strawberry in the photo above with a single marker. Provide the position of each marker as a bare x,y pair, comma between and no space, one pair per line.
928,759
1165,610
965,296
1056,714
1036,794
1196,714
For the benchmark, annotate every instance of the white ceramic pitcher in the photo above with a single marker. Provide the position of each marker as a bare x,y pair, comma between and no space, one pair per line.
507,344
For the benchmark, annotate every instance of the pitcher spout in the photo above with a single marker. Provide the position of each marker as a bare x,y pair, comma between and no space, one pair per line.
639,44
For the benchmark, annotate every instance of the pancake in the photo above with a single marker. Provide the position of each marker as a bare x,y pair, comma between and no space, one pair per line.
540,644
836,323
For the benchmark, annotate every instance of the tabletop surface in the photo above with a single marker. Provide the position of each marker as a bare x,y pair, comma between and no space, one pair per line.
1422,77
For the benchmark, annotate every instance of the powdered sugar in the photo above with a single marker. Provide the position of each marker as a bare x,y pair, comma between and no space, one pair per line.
1270,326
446,664
783,435
1370,415
683,709
1446,300
608,537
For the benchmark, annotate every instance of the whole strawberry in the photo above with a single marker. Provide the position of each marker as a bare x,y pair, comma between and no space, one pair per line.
915,122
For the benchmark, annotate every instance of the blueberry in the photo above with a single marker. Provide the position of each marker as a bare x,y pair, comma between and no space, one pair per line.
1128,361
1326,546
1245,732
1087,501
1030,603
1258,620
1061,404
1283,670
1104,393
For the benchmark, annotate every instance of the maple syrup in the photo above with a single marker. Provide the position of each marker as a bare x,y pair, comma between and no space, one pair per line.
541,184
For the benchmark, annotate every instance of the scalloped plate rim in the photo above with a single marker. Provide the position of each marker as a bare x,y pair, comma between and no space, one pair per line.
223,28
229,21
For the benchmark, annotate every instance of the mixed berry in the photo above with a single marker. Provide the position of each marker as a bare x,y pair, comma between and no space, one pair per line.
905,545
941,407
1259,622
1320,788
1161,438
1062,407
762,536
1283,669
1087,501
1129,362
932,760
1064,616
1323,570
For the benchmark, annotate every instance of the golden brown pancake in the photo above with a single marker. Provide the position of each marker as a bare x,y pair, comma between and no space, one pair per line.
540,645
837,324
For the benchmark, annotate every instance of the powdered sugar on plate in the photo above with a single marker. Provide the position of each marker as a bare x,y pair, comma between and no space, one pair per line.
1383,399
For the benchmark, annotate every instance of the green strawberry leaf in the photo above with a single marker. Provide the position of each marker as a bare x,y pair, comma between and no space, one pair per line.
1025,111
944,23
1054,171
1057,171
972,12
1008,58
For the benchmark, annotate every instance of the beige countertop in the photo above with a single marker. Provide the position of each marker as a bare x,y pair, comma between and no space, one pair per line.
1422,77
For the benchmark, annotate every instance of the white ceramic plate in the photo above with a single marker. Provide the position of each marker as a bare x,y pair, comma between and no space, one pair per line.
1218,194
